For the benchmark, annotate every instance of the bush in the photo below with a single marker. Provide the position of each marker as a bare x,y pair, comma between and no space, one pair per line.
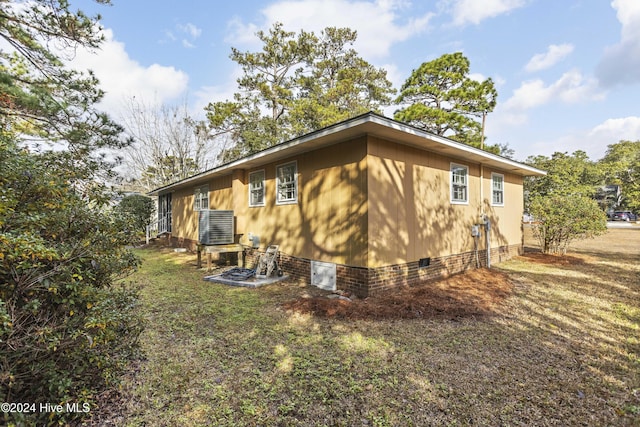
139,209
68,323
561,219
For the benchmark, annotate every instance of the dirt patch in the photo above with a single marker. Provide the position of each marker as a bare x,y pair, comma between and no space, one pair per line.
474,293
549,259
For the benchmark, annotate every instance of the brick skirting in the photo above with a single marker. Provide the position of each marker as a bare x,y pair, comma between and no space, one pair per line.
364,282
368,281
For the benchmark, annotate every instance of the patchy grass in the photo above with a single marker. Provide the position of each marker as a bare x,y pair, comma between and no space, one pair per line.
561,347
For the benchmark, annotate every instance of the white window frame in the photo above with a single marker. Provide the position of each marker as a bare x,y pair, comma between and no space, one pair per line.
201,198
290,200
464,185
495,191
254,190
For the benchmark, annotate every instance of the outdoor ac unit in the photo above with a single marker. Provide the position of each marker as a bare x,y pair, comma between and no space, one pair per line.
215,227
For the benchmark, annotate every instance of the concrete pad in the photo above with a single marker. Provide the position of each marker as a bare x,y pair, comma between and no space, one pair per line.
250,283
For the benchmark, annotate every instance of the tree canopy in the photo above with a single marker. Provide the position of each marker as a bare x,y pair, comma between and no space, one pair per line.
566,174
561,219
40,96
441,98
562,202
68,327
296,84
340,84
167,145
67,330
621,166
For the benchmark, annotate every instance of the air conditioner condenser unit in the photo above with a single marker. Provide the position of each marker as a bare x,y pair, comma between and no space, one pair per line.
215,227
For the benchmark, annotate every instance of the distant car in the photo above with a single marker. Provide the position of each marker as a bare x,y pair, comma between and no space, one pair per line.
623,216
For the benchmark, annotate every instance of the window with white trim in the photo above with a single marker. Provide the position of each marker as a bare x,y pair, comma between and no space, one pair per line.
287,183
497,189
201,198
256,188
459,183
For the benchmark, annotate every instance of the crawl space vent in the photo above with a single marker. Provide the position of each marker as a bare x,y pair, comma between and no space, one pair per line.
323,275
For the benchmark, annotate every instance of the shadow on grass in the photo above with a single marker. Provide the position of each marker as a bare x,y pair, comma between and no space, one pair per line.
562,351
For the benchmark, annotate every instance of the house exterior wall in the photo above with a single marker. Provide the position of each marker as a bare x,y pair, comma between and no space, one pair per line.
329,220
373,207
327,223
185,219
411,215
184,223
221,193
506,220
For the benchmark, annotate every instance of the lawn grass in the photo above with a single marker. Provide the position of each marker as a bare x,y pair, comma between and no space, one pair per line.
563,350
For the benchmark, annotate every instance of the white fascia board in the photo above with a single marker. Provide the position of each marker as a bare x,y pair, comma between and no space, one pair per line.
463,150
332,134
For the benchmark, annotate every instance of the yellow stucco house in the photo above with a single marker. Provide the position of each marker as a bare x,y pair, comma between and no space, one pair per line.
377,202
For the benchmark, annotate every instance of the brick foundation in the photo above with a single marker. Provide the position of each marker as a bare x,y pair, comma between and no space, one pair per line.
364,282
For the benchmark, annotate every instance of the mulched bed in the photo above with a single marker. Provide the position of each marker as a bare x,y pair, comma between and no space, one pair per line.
540,258
471,294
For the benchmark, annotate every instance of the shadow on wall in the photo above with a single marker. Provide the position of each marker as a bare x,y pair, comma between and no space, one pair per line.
329,220
411,215
368,210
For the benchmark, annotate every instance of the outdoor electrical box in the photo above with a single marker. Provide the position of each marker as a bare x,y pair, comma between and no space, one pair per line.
254,241
475,230
215,227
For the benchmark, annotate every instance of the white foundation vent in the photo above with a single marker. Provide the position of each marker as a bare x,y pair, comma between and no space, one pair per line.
323,275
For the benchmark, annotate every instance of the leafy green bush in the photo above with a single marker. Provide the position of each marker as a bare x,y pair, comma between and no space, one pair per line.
139,208
68,323
561,219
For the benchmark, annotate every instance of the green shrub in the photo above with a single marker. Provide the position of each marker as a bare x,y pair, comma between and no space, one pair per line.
139,209
68,323
561,219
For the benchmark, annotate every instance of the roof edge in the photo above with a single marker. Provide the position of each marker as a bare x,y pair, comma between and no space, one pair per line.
369,117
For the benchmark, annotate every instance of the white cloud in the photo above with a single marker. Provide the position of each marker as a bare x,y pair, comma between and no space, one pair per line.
615,130
571,87
621,62
474,11
192,33
241,33
170,35
186,33
477,77
593,141
218,93
377,23
552,56
191,30
121,77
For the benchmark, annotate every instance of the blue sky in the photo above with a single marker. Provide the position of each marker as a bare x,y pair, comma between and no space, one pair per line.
567,72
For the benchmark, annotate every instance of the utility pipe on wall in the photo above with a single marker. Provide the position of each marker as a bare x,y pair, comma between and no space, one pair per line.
484,218
487,233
